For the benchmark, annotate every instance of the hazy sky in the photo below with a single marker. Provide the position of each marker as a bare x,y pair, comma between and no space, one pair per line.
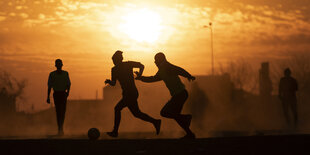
85,34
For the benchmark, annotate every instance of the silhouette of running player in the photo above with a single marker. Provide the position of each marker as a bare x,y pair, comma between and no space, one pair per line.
123,72
60,82
287,94
169,73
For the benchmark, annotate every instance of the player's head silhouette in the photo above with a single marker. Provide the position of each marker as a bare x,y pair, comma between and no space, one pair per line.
117,57
287,72
58,64
159,58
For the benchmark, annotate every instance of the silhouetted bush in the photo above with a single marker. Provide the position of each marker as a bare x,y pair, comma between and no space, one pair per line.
11,89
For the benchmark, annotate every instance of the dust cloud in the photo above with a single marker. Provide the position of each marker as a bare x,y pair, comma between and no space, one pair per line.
218,106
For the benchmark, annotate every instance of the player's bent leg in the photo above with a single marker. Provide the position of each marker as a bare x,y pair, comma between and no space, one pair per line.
134,109
157,125
147,118
117,118
184,121
189,136
174,106
187,119
139,114
167,112
112,134
185,127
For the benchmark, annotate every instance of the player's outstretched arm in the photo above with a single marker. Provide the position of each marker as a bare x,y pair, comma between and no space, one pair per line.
141,69
139,65
147,79
110,82
113,77
182,72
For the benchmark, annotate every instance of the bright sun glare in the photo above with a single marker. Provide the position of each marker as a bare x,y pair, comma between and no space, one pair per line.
142,25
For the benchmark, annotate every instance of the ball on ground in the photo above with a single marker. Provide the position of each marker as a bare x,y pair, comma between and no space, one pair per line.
93,133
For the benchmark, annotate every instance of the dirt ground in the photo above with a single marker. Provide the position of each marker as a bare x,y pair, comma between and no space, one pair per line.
272,144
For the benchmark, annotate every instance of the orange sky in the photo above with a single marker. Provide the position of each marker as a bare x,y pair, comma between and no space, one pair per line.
85,34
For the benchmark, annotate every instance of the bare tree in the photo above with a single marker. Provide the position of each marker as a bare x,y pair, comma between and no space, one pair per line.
241,74
11,89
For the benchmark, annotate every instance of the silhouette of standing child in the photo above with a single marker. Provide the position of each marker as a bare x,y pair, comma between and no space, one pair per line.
287,94
60,82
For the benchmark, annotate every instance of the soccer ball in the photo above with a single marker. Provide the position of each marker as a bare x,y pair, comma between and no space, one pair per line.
93,133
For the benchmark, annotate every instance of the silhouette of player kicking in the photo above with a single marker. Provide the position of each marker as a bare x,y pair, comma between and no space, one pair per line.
123,72
169,73
60,82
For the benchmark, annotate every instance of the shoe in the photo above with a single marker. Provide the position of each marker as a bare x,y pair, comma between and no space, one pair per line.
112,134
157,125
187,120
189,136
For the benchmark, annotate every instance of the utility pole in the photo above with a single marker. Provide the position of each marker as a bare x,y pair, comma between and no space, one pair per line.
212,55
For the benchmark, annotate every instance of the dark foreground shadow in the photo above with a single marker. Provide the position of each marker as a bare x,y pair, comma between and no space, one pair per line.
282,144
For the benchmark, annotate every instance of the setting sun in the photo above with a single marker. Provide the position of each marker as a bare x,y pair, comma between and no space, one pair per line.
142,25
